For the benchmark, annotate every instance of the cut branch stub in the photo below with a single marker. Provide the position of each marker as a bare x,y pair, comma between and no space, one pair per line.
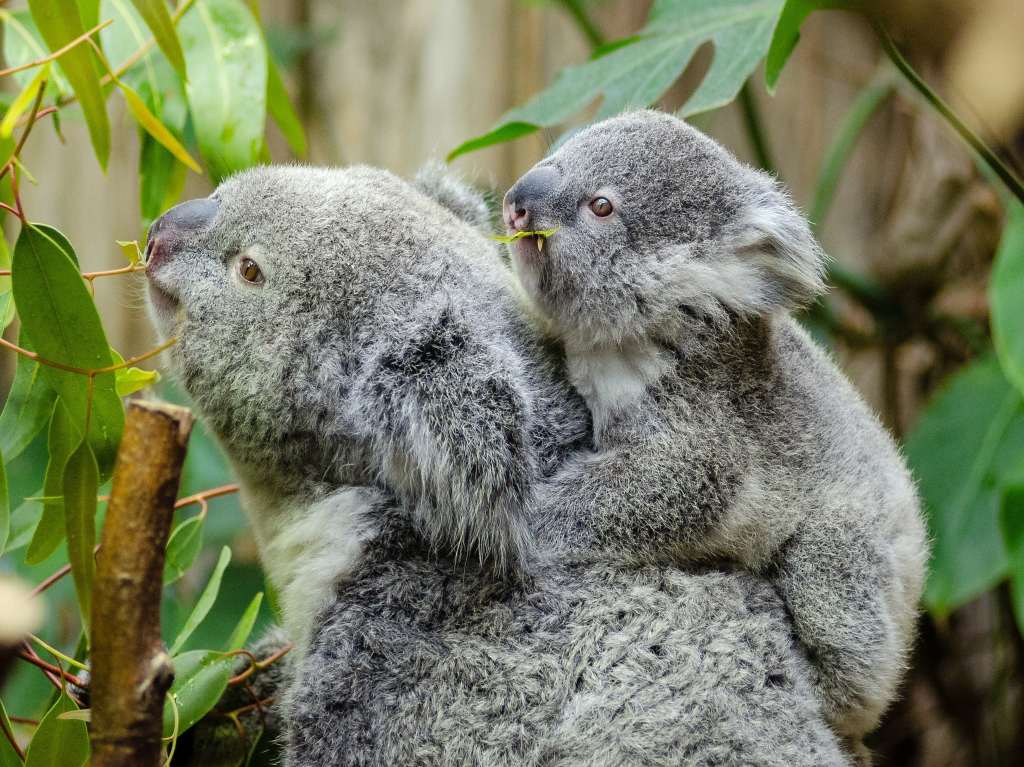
131,670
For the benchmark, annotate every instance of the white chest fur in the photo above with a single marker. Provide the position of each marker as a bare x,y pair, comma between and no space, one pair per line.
308,547
612,379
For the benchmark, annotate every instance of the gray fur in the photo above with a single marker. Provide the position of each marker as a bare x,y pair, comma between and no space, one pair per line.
722,431
390,412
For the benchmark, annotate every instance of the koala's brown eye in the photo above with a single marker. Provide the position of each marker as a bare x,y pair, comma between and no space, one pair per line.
601,206
250,271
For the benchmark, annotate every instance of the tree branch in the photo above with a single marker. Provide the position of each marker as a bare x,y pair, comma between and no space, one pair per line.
131,668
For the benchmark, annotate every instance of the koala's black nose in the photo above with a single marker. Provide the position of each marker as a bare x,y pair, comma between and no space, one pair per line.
175,225
527,197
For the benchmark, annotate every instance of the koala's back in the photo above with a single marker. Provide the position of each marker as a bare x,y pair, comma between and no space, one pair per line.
418,661
854,479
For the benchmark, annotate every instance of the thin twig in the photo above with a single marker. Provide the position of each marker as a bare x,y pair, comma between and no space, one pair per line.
755,128
206,495
11,739
90,276
90,372
991,159
58,53
35,660
258,665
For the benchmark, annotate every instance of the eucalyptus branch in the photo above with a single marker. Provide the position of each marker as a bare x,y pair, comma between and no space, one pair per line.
991,159
89,372
90,276
258,665
59,52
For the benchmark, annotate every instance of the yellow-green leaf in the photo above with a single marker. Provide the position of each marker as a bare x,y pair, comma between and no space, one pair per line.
131,251
155,128
59,26
506,238
131,380
22,101
158,19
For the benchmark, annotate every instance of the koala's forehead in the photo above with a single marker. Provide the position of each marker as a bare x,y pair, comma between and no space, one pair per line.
646,149
290,209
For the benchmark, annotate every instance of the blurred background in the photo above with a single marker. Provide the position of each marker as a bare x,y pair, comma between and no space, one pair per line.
397,82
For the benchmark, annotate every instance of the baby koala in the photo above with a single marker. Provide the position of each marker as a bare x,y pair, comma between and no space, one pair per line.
722,431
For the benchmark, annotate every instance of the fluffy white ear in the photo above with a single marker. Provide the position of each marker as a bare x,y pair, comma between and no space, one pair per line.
773,240
436,181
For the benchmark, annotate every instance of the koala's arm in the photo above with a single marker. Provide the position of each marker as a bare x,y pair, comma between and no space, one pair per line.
446,412
649,493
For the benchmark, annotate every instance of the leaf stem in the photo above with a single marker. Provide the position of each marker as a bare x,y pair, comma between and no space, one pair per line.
583,21
839,151
1007,176
58,53
57,653
755,128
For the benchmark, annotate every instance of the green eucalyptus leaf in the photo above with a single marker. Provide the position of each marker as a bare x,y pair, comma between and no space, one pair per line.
637,72
28,406
1011,521
81,484
8,756
24,521
278,103
59,742
205,602
965,447
200,678
124,38
227,88
60,319
59,26
1006,295
89,10
61,442
241,633
182,547
158,19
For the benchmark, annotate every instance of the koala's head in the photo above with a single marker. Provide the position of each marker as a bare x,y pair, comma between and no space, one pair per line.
655,223
274,285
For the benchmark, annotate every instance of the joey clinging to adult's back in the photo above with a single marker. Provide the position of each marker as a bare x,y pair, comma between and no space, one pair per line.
722,431
340,326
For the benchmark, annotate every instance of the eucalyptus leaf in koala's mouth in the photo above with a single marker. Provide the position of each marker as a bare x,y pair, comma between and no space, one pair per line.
541,235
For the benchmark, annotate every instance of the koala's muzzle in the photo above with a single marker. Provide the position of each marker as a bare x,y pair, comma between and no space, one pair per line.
177,225
529,197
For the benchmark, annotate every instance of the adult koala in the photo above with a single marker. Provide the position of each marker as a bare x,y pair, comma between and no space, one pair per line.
361,353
